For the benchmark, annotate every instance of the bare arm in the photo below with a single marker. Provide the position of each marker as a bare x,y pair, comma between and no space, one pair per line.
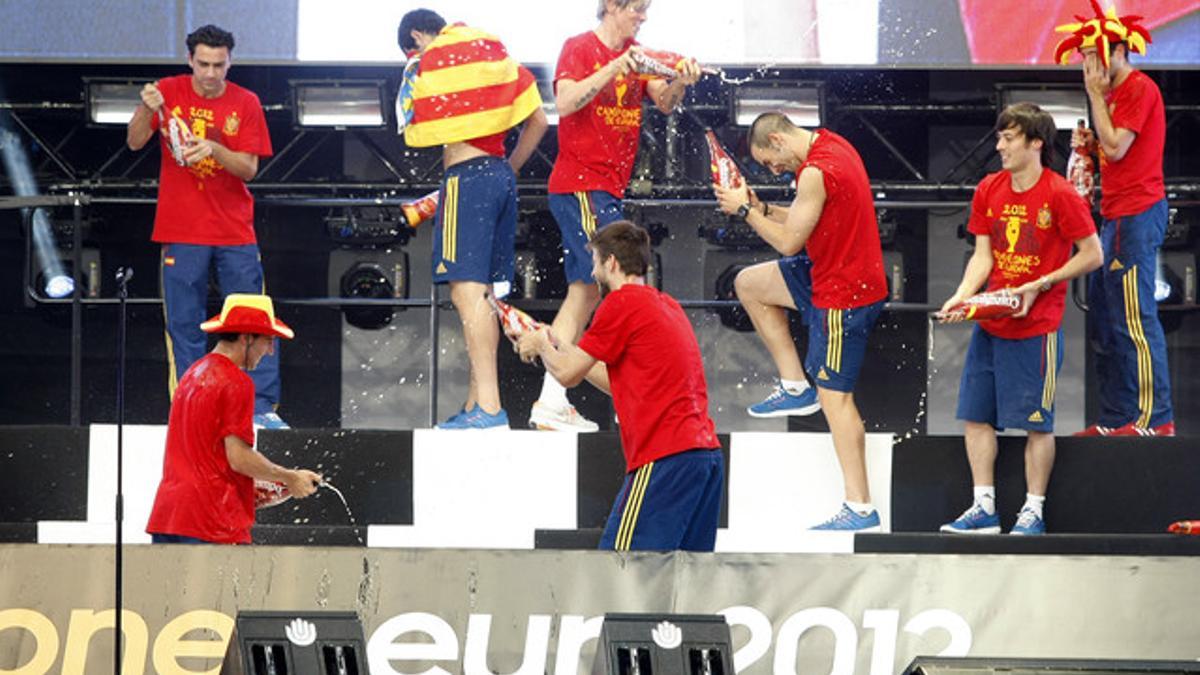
139,131
244,165
569,364
249,462
570,96
800,218
667,95
1113,141
1088,257
531,134
976,273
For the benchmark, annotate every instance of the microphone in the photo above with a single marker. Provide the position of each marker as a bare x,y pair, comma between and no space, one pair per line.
124,274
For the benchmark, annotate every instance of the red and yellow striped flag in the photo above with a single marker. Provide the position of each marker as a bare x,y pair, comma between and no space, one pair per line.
468,87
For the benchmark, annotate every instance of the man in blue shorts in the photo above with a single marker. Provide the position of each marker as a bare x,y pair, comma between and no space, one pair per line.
641,349
469,111
1025,219
599,95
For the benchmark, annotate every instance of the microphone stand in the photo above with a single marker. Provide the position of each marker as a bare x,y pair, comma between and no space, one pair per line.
124,274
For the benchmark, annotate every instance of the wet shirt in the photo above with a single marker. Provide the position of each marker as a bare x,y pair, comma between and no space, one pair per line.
1135,183
1032,233
200,494
847,258
598,143
655,372
204,203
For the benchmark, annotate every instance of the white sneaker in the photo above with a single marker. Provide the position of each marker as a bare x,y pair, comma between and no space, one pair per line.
559,418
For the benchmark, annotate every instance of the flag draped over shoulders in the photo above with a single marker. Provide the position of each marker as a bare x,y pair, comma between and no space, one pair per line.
466,86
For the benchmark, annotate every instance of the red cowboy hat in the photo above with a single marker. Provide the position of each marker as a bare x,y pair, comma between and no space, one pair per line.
246,313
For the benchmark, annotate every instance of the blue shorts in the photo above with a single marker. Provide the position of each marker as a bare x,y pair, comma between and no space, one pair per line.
1007,384
837,338
673,503
476,222
579,215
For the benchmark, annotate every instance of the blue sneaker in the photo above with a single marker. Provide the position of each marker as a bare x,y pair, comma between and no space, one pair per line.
269,420
782,403
974,521
1028,523
476,418
850,520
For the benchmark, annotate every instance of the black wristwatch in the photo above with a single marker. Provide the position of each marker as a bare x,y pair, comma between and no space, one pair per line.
743,211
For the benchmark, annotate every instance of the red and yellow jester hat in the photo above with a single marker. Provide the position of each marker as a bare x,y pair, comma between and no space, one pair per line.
1100,32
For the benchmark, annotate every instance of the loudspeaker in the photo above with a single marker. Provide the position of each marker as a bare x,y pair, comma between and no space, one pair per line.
936,665
296,643
664,644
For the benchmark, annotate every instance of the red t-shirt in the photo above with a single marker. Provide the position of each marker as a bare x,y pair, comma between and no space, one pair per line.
205,204
492,145
1032,233
655,371
1133,184
847,259
200,494
597,143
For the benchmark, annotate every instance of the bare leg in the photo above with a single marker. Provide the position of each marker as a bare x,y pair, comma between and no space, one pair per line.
981,452
573,315
765,296
1039,462
481,333
849,441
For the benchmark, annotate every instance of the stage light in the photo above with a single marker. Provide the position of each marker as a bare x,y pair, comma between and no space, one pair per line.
338,104
801,102
368,274
112,101
56,282
1067,104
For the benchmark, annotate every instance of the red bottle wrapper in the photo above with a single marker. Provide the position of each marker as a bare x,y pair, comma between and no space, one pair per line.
654,64
991,305
513,321
1185,527
725,171
179,136
269,493
420,210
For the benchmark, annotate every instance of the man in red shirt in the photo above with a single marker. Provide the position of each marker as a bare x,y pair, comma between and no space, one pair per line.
598,94
207,489
641,349
1025,219
838,288
213,133
1130,126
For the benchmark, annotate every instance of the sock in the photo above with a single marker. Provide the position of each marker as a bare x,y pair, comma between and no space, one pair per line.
985,497
553,393
793,387
861,508
1034,503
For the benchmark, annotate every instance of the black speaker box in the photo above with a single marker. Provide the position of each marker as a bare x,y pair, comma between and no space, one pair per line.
664,644
296,643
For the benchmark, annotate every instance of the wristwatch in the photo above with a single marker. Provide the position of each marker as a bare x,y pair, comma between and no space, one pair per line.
1046,285
743,211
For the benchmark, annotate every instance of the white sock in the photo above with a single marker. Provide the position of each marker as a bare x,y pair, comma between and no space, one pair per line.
861,508
553,393
985,497
1035,503
793,387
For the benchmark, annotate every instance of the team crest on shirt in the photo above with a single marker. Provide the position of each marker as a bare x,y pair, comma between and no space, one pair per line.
232,123
1043,218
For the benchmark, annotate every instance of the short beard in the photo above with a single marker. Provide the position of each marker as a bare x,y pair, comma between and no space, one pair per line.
604,289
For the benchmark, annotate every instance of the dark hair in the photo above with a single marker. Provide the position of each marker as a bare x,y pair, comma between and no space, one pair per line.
769,123
228,337
421,20
1034,123
211,36
628,243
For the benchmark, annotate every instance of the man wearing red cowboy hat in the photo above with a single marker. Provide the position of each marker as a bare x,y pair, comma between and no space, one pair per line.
207,490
